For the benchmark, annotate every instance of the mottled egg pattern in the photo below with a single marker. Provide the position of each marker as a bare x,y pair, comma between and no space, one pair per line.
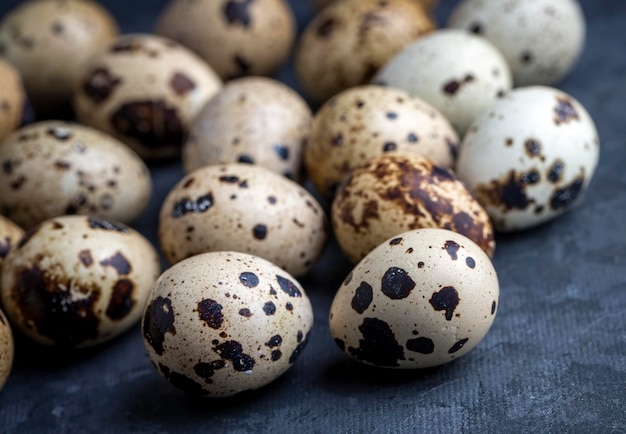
10,235
145,90
540,39
7,349
236,37
394,193
54,168
429,5
348,41
221,323
420,299
50,42
77,281
244,208
458,73
12,99
530,157
252,120
370,120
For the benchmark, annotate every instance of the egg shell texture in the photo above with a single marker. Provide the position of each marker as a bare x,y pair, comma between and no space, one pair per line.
370,120
237,38
12,99
530,157
420,299
540,39
50,42
145,90
7,350
223,322
54,168
348,41
244,208
393,193
251,120
77,281
458,73
10,234
429,5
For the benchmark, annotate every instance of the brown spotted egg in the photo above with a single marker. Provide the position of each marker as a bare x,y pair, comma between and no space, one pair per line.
530,157
236,38
50,42
370,120
429,5
420,299
12,99
145,90
54,168
221,323
245,208
10,234
77,281
252,120
7,350
348,41
393,193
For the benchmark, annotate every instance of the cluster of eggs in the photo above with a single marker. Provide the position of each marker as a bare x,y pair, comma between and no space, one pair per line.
421,145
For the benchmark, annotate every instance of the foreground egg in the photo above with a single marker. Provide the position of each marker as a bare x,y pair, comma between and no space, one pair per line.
6,349
420,299
221,323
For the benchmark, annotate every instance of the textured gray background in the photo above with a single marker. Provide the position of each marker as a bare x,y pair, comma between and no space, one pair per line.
554,360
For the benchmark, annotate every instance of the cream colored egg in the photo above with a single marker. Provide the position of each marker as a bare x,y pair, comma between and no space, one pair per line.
12,99
7,350
429,5
10,234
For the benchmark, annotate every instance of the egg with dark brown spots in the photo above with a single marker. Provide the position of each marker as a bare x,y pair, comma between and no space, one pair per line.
221,323
145,90
393,193
253,120
348,41
420,299
370,120
529,157
236,37
245,208
12,99
10,235
77,281
54,168
7,349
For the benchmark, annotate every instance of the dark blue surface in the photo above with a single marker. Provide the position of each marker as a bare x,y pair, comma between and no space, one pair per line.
554,360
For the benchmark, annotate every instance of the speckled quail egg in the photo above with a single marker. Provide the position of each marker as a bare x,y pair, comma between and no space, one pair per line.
244,208
10,234
221,323
393,193
236,37
369,120
429,5
77,281
12,99
540,39
7,349
253,120
145,90
348,41
50,41
420,299
459,73
53,168
529,157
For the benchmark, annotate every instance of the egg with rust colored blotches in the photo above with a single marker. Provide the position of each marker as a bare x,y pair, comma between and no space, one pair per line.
245,208
420,299
77,281
10,235
393,193
221,323
7,349
530,157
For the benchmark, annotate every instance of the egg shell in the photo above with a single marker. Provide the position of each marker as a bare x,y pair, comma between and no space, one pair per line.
221,323
251,120
420,299
530,157
7,349
77,281
12,99
348,41
145,90
54,168
236,38
429,5
370,120
458,73
244,208
393,193
10,234
50,42
519,29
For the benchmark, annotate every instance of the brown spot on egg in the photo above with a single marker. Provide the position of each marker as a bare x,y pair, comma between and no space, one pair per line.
420,345
526,57
533,148
453,86
100,84
259,231
564,111
137,120
302,343
326,27
555,172
451,248
238,12
85,257
457,346
182,84
62,165
182,382
5,247
158,320
242,65
210,311
447,299
233,351
508,193
396,283
207,370
475,230
186,205
96,223
119,263
121,302
362,298
563,197
288,286
379,345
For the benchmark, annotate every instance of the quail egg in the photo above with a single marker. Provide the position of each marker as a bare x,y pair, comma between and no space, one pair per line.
10,234
7,350
12,99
